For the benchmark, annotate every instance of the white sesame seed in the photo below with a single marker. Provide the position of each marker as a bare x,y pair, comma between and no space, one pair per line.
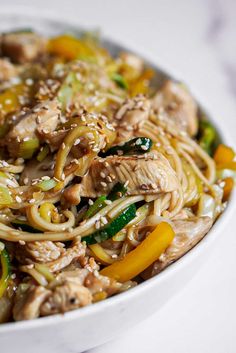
18,199
77,141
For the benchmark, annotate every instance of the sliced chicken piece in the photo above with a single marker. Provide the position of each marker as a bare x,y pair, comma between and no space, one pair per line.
22,47
7,70
39,251
66,297
132,65
76,251
43,117
36,170
128,117
5,309
28,302
187,234
179,106
146,174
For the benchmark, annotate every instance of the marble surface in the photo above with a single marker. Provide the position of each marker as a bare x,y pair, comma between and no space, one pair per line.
195,40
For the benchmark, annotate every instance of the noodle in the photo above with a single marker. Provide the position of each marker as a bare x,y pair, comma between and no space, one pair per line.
94,171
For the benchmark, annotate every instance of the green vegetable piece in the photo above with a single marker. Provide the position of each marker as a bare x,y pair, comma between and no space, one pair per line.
117,191
119,80
69,89
20,30
28,148
46,185
113,227
96,207
138,145
43,153
17,224
5,270
5,196
207,136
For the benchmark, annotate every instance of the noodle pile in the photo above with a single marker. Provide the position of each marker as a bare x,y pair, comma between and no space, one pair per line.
67,108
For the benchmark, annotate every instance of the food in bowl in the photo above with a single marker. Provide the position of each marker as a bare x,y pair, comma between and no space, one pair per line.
104,180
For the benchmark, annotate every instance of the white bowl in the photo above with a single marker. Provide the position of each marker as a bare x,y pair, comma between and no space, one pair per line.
85,328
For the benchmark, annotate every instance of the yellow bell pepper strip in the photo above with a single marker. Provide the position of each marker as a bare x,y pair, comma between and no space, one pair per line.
224,154
228,187
69,47
6,270
142,83
229,165
137,260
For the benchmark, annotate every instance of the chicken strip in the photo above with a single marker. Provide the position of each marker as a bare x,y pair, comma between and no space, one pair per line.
146,174
43,117
128,117
22,47
179,106
187,234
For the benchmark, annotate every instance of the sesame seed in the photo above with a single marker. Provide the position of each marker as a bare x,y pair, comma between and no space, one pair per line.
18,199
77,141
104,220
103,184
145,148
108,202
90,202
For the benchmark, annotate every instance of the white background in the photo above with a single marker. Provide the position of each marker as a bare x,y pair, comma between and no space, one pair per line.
195,40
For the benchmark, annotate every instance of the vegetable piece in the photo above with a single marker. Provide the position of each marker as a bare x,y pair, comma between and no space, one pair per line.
117,191
207,136
70,87
46,185
48,212
96,207
100,254
69,47
229,165
138,145
113,227
137,260
44,270
5,196
21,30
6,270
224,154
28,148
228,187
18,224
206,206
141,84
43,153
119,80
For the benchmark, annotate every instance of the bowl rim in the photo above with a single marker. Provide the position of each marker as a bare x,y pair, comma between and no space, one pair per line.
190,256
